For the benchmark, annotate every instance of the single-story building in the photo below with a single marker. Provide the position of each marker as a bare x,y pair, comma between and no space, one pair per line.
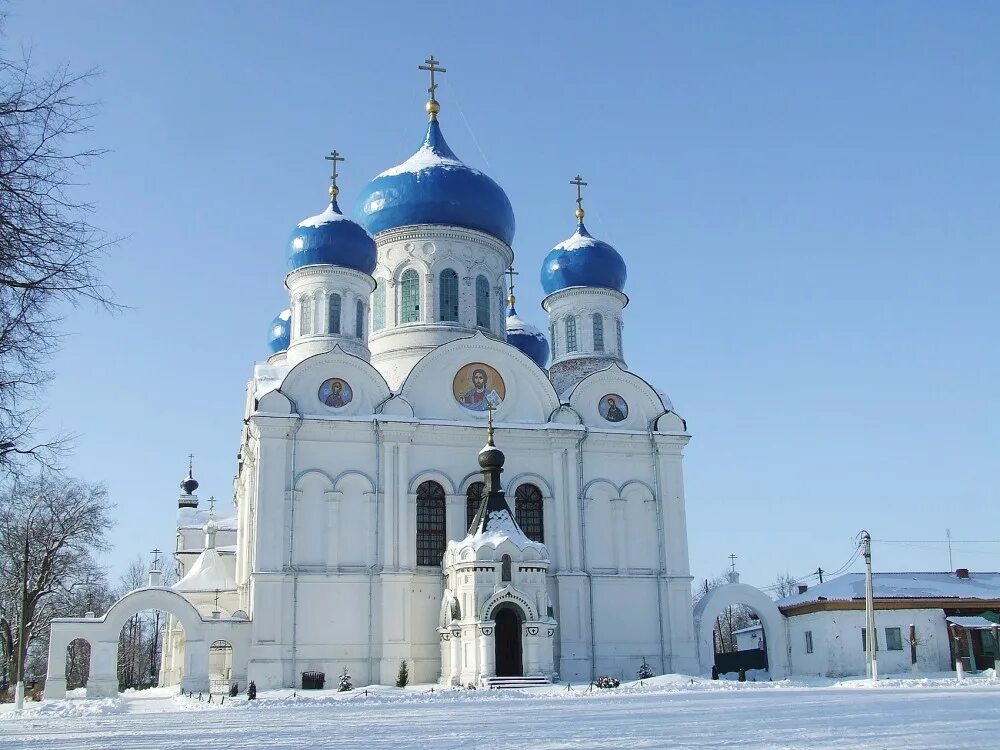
922,622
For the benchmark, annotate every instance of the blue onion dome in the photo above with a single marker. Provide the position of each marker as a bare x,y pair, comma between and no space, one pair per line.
527,339
330,238
583,260
280,334
434,187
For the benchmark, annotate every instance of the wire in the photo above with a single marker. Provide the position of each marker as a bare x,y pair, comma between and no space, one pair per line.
458,106
937,541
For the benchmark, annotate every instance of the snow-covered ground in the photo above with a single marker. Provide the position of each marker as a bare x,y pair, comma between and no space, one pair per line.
669,711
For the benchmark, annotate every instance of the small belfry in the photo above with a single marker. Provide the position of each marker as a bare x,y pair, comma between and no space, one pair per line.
497,627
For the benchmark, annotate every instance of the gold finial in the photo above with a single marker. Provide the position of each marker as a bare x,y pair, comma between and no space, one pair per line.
489,429
334,190
580,184
511,273
431,65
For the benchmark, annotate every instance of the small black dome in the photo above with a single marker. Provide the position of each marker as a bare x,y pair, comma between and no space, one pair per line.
490,456
189,485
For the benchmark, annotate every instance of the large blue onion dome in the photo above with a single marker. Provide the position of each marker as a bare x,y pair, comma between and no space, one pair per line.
280,334
583,260
527,338
331,239
434,187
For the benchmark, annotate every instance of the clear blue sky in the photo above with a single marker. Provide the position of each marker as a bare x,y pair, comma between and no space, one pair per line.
806,196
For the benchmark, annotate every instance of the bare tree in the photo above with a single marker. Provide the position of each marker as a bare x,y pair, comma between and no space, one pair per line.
50,529
785,585
49,250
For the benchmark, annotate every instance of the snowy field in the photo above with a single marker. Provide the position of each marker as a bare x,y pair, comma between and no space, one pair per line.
669,711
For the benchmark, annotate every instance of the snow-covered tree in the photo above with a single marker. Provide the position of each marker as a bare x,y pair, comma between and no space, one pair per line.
403,675
345,682
50,529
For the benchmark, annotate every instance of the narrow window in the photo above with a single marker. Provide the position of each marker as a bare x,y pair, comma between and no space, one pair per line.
482,302
378,307
864,640
359,319
552,335
598,332
448,295
473,499
333,324
528,510
571,333
809,641
505,568
430,523
618,328
306,316
409,292
893,639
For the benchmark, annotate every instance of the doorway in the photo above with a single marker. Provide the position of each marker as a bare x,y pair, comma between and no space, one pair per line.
508,641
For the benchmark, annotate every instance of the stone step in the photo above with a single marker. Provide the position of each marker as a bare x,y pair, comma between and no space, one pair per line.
501,683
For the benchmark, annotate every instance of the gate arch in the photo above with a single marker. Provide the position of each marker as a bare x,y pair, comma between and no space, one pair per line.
715,601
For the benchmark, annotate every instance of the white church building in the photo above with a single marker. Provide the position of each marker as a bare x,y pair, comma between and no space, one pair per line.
371,524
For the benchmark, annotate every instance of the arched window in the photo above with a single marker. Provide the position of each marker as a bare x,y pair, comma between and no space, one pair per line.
482,302
359,319
528,509
306,316
378,307
409,295
618,327
333,322
571,333
552,335
473,499
505,568
448,295
598,332
430,523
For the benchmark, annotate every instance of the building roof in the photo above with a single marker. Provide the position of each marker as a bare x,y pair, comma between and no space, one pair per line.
851,587
749,629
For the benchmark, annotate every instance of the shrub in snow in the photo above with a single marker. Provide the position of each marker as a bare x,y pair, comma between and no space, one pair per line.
345,682
645,671
605,681
403,675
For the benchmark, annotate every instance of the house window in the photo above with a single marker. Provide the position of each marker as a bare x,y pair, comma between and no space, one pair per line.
430,523
448,295
378,308
809,641
505,568
473,499
618,329
987,642
598,332
571,333
306,316
864,640
409,293
359,319
482,302
528,510
333,323
893,639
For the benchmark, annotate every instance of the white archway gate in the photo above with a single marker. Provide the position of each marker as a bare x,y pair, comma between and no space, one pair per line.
103,633
712,605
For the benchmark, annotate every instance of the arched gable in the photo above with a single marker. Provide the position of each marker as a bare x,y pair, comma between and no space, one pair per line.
301,385
509,594
528,394
528,477
353,479
313,476
433,475
642,407
163,599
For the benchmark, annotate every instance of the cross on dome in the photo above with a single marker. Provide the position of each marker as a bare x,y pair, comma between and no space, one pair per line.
580,184
431,66
334,157
511,273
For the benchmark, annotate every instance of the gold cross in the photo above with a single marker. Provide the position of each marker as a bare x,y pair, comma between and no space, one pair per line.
580,184
334,157
211,505
511,273
431,65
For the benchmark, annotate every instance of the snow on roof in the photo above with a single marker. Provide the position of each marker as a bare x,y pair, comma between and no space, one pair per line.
209,572
901,586
424,158
330,214
972,622
750,629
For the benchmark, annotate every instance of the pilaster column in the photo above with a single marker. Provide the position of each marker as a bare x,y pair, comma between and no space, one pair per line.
530,636
487,649
332,557
444,635
456,656
618,507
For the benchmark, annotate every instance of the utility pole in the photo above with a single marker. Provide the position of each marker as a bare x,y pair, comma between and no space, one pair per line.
871,636
951,565
819,571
